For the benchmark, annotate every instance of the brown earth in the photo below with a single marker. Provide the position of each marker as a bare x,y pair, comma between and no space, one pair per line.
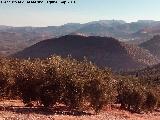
15,110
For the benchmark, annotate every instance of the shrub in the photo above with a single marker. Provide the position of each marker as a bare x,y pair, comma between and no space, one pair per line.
136,96
94,92
151,101
72,93
50,93
74,83
131,100
30,76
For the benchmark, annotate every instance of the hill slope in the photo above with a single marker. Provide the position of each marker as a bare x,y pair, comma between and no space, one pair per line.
103,51
14,39
153,45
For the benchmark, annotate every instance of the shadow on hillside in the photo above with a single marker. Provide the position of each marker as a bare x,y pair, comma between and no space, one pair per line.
59,110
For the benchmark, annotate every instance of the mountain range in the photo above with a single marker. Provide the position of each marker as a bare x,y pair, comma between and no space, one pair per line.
14,39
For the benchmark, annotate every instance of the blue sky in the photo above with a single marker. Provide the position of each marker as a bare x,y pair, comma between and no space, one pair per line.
81,12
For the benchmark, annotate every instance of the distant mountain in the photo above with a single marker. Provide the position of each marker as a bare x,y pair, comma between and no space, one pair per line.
11,42
14,39
153,28
134,32
117,29
147,32
102,28
103,51
95,29
153,45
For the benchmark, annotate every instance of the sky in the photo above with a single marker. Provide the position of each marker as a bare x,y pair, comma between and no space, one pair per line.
81,12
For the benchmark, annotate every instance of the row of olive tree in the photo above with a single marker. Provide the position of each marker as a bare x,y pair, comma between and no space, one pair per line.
57,80
78,85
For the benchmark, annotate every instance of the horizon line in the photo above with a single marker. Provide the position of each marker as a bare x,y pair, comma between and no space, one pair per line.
81,23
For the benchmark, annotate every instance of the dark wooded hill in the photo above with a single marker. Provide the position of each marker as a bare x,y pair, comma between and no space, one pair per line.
103,51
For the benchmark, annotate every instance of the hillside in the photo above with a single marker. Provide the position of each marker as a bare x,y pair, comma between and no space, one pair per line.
11,42
102,28
133,32
103,51
14,39
153,45
150,73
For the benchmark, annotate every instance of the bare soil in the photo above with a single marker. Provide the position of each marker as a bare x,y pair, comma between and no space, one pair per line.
15,110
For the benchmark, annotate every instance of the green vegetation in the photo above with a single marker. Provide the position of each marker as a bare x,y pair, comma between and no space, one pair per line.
56,80
136,95
78,85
